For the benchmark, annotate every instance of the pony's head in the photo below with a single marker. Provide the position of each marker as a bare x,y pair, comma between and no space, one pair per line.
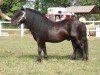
19,17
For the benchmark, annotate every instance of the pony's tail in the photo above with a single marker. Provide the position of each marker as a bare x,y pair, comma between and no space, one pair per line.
84,42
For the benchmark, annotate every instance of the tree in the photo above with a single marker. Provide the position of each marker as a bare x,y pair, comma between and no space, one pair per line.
42,5
9,6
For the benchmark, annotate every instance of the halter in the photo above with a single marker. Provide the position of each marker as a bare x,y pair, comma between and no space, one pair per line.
22,16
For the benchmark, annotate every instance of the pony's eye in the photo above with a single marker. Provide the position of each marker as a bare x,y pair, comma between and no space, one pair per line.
21,14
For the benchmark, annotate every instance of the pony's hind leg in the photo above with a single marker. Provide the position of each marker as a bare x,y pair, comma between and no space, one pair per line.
84,41
73,57
82,48
85,48
77,48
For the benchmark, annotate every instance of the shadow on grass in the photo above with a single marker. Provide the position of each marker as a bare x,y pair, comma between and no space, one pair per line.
33,57
58,57
27,56
4,56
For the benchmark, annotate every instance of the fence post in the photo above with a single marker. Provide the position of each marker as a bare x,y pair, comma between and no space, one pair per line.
93,23
97,31
0,28
22,30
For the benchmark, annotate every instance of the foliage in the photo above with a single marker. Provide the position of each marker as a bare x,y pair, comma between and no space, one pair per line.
44,4
86,2
9,6
97,3
90,2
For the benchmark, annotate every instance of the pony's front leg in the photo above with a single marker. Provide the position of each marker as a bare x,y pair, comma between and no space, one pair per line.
45,52
39,54
40,48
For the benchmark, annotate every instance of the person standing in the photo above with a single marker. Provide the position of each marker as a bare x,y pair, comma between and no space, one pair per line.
57,17
82,19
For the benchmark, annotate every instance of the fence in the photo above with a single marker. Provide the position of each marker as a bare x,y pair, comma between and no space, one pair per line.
6,34
97,30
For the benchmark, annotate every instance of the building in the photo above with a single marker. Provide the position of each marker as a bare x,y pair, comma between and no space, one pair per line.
54,12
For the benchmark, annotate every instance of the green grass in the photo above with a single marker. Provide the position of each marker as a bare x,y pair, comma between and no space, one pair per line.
18,57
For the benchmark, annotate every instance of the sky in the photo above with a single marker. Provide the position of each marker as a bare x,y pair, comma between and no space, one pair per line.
31,0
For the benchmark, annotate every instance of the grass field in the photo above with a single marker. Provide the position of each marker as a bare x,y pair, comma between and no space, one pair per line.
18,57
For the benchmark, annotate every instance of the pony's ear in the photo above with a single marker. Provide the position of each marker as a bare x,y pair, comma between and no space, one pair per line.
22,9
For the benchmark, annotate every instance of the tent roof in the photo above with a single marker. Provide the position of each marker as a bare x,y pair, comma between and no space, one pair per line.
82,9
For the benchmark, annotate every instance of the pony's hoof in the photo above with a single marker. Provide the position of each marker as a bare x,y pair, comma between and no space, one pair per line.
85,59
73,57
46,57
39,59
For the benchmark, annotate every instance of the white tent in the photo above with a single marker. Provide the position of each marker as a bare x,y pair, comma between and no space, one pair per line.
58,11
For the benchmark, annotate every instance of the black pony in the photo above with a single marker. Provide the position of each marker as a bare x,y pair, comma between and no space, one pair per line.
45,30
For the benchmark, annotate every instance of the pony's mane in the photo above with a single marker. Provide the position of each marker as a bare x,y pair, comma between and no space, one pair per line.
37,20
36,12
41,19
